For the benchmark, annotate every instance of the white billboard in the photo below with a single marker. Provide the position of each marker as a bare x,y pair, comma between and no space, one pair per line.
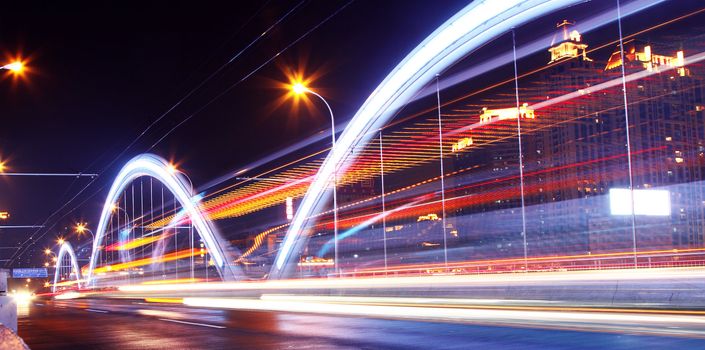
646,202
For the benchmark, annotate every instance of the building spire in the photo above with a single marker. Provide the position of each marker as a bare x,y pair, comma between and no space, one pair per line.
571,45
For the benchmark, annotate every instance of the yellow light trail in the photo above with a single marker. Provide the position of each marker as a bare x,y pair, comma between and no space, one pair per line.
186,253
135,243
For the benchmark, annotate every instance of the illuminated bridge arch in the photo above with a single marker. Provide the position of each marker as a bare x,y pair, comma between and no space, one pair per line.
66,248
159,169
472,27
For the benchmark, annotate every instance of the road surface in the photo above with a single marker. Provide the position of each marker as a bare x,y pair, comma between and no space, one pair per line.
103,324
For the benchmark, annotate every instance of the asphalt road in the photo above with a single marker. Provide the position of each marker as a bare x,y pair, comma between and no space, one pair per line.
86,324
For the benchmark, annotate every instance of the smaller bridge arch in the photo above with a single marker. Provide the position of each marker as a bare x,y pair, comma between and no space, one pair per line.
159,169
66,248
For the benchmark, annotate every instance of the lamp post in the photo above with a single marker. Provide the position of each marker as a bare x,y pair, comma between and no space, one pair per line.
300,89
174,169
82,227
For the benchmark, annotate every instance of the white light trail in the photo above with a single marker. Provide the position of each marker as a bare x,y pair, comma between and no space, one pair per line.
434,281
398,308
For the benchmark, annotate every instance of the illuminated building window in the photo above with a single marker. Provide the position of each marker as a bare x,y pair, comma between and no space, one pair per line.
428,217
642,53
462,144
488,115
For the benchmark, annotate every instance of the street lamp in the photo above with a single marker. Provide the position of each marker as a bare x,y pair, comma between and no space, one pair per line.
60,241
114,208
174,169
299,89
81,228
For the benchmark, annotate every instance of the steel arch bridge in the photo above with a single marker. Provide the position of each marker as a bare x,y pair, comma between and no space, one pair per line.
158,168
472,27
66,248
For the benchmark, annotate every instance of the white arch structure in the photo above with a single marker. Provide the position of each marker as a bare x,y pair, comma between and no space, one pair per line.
159,169
475,25
66,248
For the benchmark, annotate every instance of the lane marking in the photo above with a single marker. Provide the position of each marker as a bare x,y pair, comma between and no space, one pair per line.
96,310
192,323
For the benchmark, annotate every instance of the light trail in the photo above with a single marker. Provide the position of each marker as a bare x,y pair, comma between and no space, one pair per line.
351,221
135,243
617,320
428,281
520,260
187,253
174,281
485,304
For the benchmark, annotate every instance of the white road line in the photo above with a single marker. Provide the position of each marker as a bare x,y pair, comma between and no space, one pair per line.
96,310
192,323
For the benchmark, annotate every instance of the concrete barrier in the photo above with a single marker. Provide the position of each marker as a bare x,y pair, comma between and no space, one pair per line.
8,313
10,341
8,318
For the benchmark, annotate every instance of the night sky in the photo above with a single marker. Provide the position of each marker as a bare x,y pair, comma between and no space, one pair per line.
101,73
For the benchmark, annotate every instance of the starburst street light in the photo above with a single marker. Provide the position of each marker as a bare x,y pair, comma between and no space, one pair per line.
299,88
173,168
83,227
60,241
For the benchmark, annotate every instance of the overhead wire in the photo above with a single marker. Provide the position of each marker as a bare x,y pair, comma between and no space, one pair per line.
21,251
